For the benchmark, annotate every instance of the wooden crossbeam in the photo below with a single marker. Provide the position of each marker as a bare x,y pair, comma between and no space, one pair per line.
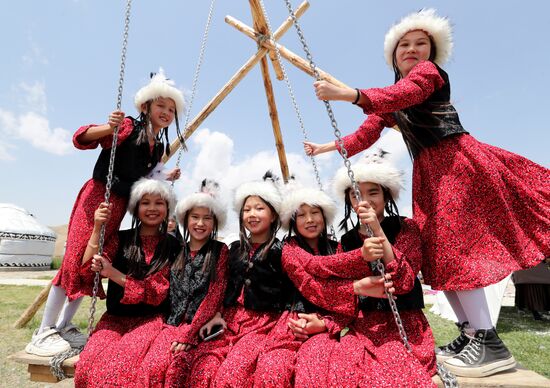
230,85
293,58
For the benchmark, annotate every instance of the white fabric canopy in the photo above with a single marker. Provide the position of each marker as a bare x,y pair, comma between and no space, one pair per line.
24,241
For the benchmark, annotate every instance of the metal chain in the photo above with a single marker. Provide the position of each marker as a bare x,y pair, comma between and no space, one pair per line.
449,380
347,163
196,76
56,362
111,160
294,101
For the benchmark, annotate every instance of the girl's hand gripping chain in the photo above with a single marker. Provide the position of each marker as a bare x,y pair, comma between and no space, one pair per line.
373,286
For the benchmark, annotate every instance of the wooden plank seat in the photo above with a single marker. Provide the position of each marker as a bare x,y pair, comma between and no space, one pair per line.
515,378
39,367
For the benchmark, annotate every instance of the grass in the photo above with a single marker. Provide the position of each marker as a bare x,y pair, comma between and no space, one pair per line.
56,262
13,301
527,339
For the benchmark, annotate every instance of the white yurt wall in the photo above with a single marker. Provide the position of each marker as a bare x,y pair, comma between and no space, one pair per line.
24,241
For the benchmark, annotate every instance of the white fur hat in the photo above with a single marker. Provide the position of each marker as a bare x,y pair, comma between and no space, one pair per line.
208,197
295,197
151,186
268,189
372,168
160,86
439,28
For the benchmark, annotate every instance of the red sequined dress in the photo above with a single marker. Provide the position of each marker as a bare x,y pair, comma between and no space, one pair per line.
483,212
134,317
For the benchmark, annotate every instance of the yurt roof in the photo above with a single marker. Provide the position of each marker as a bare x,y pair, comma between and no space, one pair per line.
14,219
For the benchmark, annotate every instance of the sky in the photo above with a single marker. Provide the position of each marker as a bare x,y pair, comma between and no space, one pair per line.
61,64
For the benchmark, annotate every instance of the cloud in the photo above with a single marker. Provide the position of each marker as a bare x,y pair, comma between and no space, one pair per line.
32,126
5,153
34,54
35,129
34,96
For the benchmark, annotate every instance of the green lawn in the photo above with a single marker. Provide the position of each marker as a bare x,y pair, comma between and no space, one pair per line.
528,340
13,301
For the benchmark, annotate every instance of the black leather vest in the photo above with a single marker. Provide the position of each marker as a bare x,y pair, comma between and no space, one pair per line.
189,287
412,300
115,292
266,287
426,124
132,161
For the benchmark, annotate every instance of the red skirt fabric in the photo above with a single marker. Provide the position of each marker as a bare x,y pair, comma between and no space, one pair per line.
80,229
275,365
483,213
231,360
114,352
367,356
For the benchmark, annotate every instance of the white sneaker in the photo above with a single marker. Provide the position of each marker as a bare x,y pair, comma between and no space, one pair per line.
47,343
73,336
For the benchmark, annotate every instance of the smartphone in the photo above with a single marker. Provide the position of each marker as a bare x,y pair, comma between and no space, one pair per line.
216,331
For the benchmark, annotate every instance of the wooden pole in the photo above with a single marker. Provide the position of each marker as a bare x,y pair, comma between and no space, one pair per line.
230,85
33,308
260,25
274,119
290,56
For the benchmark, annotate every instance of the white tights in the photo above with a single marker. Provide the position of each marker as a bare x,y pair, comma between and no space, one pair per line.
471,306
59,310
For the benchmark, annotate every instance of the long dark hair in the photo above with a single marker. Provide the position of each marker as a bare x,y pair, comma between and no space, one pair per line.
323,244
390,207
245,246
209,266
133,250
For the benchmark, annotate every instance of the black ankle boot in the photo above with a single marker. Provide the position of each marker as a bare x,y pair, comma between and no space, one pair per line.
455,347
484,355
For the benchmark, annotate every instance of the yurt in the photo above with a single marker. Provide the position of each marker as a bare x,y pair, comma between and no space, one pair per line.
24,242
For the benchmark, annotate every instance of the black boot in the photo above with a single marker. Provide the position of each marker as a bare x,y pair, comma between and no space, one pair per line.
453,348
484,355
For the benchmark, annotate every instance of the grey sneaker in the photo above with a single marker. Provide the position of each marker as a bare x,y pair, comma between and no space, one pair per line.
73,336
484,355
48,343
455,347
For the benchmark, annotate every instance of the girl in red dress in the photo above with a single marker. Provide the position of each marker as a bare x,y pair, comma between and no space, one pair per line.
356,351
137,296
139,148
305,214
255,297
197,282
464,250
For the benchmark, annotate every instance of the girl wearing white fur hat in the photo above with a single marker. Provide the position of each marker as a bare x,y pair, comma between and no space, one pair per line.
137,296
139,149
256,292
380,184
483,212
306,214
198,279
338,358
